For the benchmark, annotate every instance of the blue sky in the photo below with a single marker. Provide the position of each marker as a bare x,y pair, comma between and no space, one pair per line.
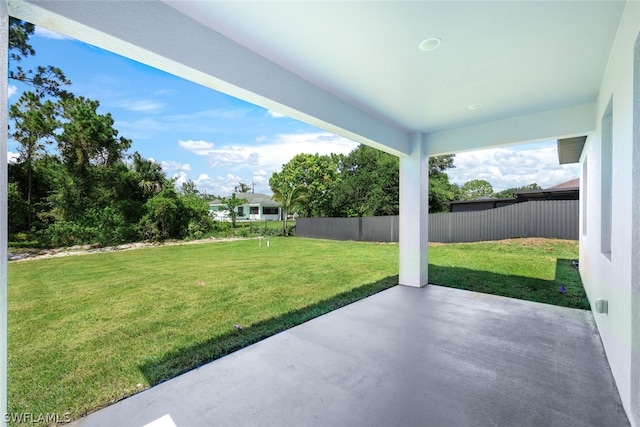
218,141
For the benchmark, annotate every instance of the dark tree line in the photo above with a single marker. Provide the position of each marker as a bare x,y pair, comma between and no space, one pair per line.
363,183
74,180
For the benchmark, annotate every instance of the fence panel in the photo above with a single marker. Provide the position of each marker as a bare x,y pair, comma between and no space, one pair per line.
380,229
439,227
547,218
328,228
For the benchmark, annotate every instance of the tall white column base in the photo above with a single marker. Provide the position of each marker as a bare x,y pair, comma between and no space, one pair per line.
414,215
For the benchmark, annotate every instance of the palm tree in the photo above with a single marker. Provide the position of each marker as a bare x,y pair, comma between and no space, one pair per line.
149,175
287,195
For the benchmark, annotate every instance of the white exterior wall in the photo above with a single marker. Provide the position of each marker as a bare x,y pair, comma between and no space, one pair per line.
4,25
611,279
221,215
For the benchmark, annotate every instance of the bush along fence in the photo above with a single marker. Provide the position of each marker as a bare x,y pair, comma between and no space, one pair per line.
548,218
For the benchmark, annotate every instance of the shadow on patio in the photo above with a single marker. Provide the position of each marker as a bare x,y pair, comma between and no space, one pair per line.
433,356
185,359
520,287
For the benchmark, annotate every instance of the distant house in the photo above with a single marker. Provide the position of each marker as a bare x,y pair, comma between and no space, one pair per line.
480,204
259,207
569,190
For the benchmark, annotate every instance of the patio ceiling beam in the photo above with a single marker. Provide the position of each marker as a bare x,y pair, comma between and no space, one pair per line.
568,122
138,30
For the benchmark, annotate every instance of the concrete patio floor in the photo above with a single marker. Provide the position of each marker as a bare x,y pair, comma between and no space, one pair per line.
404,357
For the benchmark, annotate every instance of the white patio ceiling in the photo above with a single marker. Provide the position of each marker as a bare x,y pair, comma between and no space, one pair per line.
355,68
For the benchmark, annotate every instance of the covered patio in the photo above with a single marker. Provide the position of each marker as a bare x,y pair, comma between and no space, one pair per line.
415,79
433,356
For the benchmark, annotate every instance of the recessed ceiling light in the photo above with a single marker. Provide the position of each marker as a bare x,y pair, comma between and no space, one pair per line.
475,106
430,44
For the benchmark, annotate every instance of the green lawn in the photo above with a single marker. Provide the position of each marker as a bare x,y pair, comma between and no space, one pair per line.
529,269
88,330
85,331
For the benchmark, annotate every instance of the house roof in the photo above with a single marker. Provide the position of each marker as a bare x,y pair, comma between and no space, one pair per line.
565,189
481,200
252,199
573,183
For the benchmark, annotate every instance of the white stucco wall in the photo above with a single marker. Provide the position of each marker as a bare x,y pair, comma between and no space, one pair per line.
604,278
222,215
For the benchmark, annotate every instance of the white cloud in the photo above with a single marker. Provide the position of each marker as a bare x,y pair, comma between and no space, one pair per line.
164,92
201,148
514,166
180,178
274,114
141,105
173,166
217,185
12,157
269,155
214,113
48,34
11,90
144,128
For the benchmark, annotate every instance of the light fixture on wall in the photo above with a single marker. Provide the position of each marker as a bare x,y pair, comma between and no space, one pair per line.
602,306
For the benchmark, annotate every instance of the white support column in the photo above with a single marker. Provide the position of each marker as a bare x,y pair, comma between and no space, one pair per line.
4,36
414,214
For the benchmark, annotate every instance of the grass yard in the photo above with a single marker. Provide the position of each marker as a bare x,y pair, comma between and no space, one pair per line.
530,269
85,331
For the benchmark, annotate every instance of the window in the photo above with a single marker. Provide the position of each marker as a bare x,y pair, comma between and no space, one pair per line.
267,210
606,180
241,211
254,210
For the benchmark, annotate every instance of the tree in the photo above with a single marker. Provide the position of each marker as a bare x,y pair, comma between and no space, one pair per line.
441,191
368,185
34,126
287,194
438,164
17,207
189,188
162,216
93,156
232,205
148,175
47,80
88,137
195,211
476,189
508,193
318,174
242,188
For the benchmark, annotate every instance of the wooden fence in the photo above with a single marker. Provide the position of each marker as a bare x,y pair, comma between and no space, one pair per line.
548,218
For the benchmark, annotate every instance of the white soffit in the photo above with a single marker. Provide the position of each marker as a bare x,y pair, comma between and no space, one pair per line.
355,67
570,149
513,57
